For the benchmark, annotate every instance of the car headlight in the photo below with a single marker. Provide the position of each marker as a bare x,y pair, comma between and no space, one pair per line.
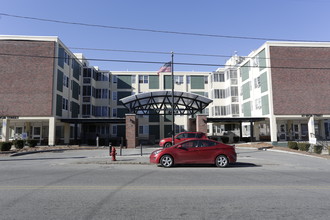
156,152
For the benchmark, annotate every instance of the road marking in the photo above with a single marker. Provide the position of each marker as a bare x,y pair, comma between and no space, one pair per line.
268,187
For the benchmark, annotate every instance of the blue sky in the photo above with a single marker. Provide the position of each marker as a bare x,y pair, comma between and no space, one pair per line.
269,19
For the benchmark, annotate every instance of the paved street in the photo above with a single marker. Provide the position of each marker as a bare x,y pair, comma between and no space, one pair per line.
84,184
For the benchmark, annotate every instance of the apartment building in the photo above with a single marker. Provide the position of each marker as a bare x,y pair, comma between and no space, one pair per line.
40,84
288,84
277,93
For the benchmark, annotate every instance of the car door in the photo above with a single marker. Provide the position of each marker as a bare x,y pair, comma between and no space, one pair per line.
179,138
188,152
206,151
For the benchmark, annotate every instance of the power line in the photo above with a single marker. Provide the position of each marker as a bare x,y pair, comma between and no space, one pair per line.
153,30
162,62
148,52
196,54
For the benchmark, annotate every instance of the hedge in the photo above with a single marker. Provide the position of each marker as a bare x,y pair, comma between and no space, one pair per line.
293,145
303,146
5,146
32,143
19,144
318,149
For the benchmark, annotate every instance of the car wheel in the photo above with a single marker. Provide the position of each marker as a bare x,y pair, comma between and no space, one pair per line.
168,144
221,161
166,161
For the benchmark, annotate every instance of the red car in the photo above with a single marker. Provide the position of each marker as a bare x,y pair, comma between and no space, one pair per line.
183,136
195,151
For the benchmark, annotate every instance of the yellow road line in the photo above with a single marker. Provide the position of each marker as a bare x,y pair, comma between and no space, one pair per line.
266,187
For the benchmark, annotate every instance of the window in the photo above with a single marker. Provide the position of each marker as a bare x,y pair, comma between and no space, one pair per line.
188,79
178,79
257,83
143,79
101,76
87,72
206,143
65,81
114,112
86,110
258,103
66,58
233,74
114,96
221,110
133,79
219,77
179,128
114,129
221,93
87,90
190,144
114,79
206,79
101,93
234,91
144,129
65,104
235,109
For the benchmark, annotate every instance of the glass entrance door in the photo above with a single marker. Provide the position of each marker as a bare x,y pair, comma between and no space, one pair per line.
282,132
36,133
296,132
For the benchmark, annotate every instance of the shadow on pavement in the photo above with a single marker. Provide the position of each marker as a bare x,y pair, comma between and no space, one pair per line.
235,165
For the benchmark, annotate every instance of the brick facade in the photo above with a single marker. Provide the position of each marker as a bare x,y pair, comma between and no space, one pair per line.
131,130
26,73
201,123
298,88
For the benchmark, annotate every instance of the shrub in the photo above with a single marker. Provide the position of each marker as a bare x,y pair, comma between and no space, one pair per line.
303,146
19,144
32,143
293,145
236,139
225,139
5,146
318,149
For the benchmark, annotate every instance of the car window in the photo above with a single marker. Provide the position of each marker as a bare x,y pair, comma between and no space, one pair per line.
207,143
199,135
190,135
190,144
180,136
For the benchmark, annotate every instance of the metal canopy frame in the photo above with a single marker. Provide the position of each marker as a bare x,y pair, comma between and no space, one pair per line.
160,103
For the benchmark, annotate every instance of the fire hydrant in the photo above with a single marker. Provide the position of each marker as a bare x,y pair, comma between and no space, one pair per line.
113,154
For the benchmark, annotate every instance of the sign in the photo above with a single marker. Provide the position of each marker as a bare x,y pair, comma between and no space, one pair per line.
24,136
312,140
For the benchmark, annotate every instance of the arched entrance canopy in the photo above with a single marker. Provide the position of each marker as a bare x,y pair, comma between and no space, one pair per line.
160,102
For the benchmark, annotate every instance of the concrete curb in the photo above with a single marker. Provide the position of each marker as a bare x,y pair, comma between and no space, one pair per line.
46,151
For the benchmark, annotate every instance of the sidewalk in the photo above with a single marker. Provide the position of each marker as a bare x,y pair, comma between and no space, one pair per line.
93,154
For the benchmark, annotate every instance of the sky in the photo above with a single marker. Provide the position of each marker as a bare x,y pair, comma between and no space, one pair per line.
301,20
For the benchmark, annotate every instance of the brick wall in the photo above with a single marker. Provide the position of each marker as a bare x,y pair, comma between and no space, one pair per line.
131,130
298,89
26,82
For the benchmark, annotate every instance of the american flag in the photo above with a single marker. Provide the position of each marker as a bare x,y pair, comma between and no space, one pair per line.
167,67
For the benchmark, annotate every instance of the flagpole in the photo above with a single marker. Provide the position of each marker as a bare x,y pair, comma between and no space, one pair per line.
173,125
